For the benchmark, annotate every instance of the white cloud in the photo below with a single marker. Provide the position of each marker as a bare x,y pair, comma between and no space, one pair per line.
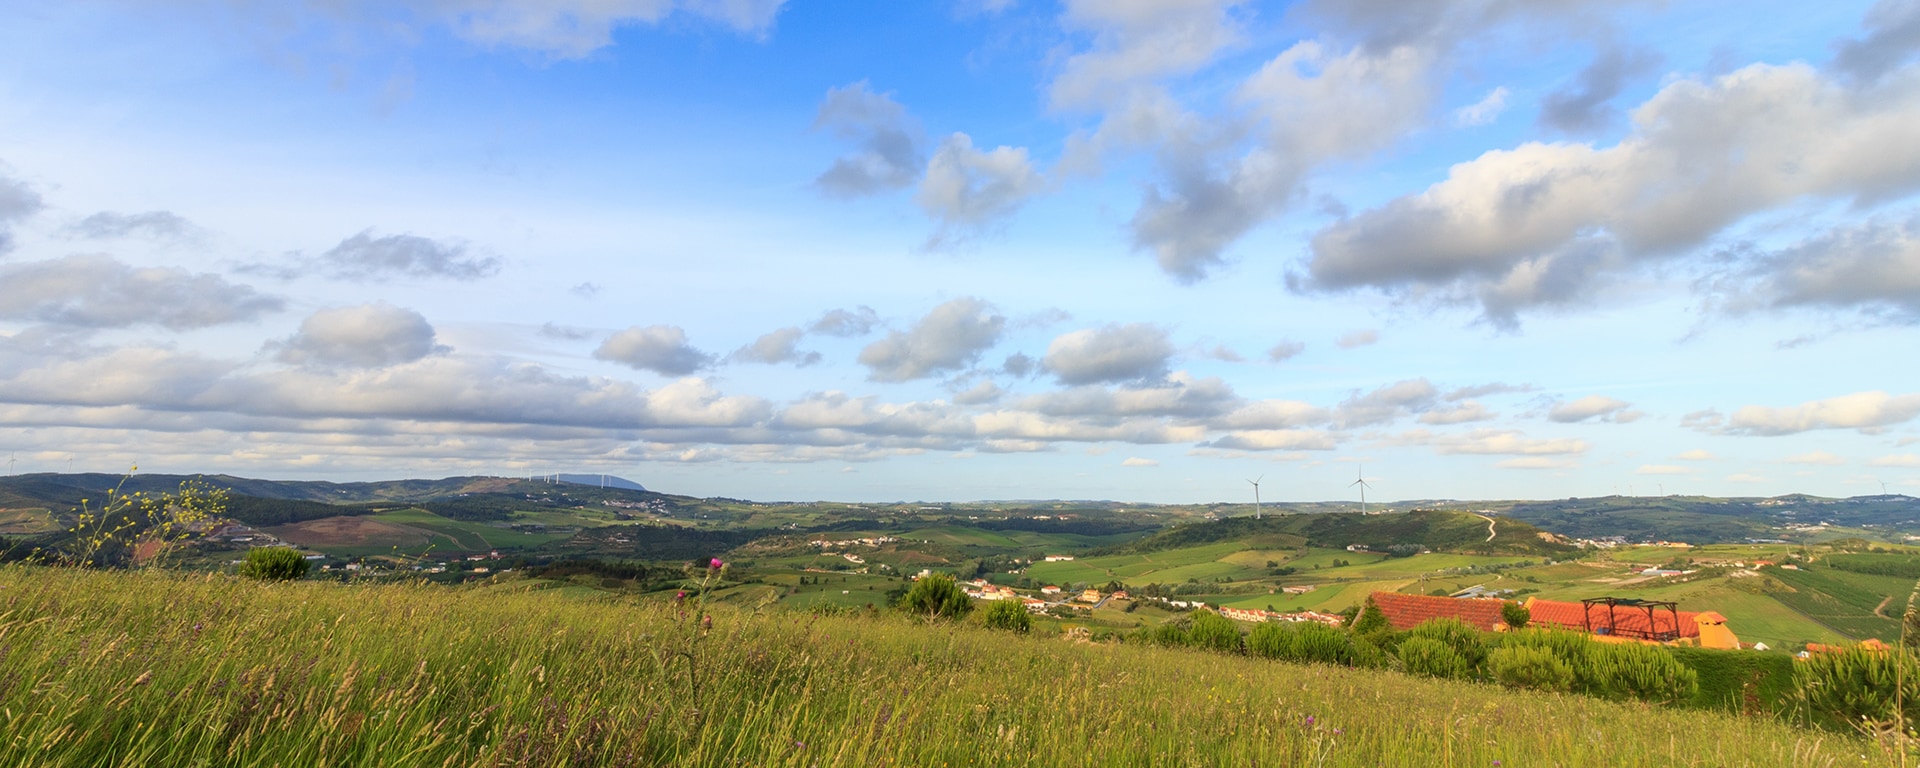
1497,442
1697,454
889,155
1819,458
153,224
662,349
1357,339
1465,412
572,29
1484,111
17,202
967,190
1139,462
1664,469
1896,460
846,323
1593,407
1860,410
1277,440
102,292
1112,353
1545,223
1387,403
1285,350
952,336
366,336
1536,462
365,257
1746,478
774,347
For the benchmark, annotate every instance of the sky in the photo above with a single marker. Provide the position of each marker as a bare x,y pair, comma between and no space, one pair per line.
971,249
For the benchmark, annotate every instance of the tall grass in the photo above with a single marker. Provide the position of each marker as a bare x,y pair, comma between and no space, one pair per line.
154,668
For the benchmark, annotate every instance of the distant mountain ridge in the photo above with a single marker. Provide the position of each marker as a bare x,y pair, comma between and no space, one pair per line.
60,490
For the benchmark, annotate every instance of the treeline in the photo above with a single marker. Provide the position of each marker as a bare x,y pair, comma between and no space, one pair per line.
1903,566
1081,527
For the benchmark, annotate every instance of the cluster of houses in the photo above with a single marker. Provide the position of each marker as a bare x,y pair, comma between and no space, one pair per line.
1051,596
871,542
1605,619
1258,615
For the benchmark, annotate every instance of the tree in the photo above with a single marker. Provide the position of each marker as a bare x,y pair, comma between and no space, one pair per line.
274,564
1009,615
1515,615
937,597
1370,620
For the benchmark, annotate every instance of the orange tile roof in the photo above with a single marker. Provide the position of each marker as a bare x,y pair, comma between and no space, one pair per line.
1408,611
1631,622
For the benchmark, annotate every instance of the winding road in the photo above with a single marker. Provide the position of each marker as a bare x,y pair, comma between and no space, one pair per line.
1489,524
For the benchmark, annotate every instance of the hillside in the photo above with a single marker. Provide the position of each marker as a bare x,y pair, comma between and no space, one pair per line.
158,668
1437,530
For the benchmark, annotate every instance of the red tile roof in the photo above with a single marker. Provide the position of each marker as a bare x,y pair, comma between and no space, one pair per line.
1408,611
1631,622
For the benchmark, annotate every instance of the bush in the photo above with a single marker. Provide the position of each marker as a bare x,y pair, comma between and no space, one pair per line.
1009,615
1748,682
1532,668
1214,632
937,597
1319,643
1857,688
1271,640
274,564
1634,671
1433,658
1469,643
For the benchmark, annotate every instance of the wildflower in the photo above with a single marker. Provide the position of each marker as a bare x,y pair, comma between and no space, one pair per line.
706,623
715,564
680,596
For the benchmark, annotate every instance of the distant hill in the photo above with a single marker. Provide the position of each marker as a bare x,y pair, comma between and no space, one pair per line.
601,481
66,490
1438,530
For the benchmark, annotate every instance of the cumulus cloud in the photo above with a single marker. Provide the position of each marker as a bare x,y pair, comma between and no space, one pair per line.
94,291
564,332
366,336
1139,42
1499,442
952,336
1583,105
979,394
967,190
17,202
1872,265
366,257
1483,390
1285,351
846,323
662,349
1697,454
1466,412
1180,395
1598,407
151,224
1893,35
565,29
1861,410
1112,353
1276,440
1387,403
774,347
1019,364
1136,461
888,154
1545,224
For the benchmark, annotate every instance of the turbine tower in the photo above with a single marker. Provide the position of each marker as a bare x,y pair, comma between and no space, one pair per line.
1360,479
1256,495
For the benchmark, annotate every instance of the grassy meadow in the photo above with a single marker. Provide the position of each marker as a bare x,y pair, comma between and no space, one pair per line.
156,668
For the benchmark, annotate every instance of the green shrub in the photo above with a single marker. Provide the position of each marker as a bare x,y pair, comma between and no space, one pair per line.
1009,615
1532,668
1469,643
1271,640
274,564
1748,682
1634,671
1321,644
1433,658
1214,632
1569,647
937,597
1857,688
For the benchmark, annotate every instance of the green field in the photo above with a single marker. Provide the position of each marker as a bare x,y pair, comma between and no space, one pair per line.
152,668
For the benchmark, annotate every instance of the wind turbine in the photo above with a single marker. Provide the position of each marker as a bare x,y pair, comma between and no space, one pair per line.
1256,495
9,463
1360,479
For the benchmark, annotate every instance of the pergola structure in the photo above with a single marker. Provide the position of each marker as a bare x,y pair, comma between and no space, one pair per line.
1653,631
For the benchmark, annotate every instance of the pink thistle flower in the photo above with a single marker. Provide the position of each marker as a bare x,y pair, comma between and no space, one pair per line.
715,563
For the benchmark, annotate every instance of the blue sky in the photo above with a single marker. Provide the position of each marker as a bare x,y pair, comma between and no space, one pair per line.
970,250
